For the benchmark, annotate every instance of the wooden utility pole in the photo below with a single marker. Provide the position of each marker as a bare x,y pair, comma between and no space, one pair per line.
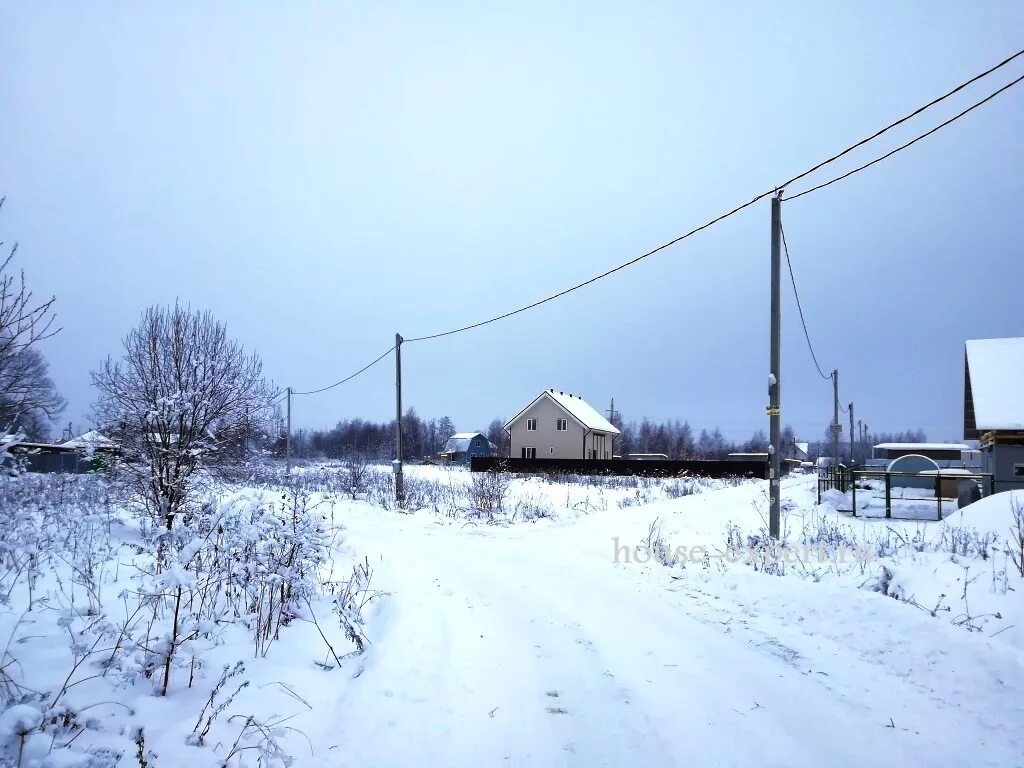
774,448
399,487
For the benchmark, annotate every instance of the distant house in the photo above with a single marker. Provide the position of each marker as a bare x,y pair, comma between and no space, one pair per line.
560,425
802,452
994,406
462,446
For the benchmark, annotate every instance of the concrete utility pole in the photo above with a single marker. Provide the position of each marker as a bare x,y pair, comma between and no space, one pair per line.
399,488
288,435
774,374
836,427
853,454
860,435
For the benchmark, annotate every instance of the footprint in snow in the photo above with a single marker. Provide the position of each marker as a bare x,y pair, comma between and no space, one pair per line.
552,694
556,711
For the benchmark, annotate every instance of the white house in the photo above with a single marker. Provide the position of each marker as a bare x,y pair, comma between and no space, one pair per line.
560,425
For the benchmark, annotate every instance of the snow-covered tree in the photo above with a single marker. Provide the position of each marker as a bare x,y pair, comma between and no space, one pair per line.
182,395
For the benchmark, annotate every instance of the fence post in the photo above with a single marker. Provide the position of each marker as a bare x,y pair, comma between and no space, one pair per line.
992,485
854,484
888,496
938,494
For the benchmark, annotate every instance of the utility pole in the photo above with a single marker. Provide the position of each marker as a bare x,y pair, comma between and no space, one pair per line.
611,412
853,455
399,488
288,436
860,435
836,428
774,448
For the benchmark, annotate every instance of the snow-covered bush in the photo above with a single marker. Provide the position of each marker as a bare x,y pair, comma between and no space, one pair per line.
145,610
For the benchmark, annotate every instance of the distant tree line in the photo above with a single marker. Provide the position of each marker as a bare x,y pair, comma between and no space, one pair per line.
373,441
424,438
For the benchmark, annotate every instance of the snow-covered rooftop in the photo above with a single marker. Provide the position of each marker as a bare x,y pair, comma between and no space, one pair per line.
582,410
577,407
464,435
997,382
91,439
923,447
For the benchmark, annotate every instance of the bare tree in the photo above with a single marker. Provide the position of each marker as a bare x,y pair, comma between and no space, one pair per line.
181,396
28,398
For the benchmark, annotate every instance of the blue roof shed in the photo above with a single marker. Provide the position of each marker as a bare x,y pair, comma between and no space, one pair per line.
464,445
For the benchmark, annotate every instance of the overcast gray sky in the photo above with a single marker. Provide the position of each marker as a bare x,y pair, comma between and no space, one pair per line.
322,176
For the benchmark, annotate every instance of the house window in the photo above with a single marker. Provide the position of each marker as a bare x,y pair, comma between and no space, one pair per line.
1018,470
563,424
531,425
529,453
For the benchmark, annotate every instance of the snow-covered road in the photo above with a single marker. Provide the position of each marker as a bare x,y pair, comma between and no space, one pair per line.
529,646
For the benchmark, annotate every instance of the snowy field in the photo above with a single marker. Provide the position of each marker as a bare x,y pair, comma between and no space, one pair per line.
500,621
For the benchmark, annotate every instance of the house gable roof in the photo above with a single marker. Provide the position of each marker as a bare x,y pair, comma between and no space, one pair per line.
576,407
995,372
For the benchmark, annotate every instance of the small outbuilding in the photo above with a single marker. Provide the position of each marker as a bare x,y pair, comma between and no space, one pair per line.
48,458
462,446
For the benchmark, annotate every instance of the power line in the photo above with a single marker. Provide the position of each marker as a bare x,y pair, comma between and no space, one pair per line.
800,309
908,144
749,203
366,367
904,119
594,279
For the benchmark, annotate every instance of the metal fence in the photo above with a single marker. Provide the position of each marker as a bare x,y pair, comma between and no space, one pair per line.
969,486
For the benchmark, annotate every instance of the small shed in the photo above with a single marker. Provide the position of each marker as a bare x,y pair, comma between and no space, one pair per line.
48,458
462,446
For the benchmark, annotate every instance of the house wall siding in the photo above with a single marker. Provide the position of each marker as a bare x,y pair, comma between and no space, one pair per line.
1000,460
568,444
